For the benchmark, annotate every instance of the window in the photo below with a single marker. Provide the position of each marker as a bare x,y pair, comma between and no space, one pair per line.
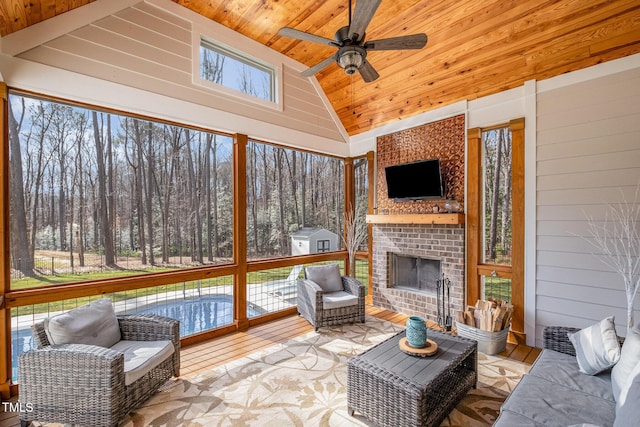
96,195
289,191
323,246
233,70
495,227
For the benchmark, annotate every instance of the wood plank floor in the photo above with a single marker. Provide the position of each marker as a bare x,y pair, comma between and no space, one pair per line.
203,356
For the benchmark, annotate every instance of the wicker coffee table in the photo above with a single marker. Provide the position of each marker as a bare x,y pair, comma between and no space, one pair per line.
392,388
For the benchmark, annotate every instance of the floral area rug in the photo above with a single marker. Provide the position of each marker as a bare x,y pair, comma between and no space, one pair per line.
303,382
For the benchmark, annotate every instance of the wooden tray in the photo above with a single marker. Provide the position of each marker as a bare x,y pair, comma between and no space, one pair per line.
428,350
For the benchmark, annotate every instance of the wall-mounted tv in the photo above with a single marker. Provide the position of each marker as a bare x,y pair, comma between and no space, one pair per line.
415,181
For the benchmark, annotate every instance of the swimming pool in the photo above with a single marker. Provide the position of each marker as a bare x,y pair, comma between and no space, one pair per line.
195,315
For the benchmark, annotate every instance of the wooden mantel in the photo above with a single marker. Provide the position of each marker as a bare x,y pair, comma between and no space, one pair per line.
439,218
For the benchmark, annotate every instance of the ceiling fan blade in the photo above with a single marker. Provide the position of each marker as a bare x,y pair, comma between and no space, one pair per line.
301,35
414,41
367,72
362,15
319,66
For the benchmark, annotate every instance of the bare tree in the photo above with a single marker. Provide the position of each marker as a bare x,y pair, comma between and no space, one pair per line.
103,208
21,255
618,237
355,232
493,237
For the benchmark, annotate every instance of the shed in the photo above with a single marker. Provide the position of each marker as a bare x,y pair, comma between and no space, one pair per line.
313,240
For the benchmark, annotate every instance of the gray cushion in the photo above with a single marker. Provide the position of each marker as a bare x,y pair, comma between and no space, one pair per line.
511,419
142,356
597,347
338,299
93,324
628,406
550,404
326,276
629,358
561,368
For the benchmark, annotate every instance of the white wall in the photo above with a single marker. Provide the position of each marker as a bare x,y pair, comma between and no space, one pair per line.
588,157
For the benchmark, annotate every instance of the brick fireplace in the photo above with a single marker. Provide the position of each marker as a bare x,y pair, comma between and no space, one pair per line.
420,229
429,241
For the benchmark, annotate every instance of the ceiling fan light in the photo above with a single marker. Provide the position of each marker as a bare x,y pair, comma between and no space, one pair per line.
350,59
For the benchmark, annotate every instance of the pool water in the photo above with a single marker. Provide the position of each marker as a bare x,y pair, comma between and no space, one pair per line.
195,315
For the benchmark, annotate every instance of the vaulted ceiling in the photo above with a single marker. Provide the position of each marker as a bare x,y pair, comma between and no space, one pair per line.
475,48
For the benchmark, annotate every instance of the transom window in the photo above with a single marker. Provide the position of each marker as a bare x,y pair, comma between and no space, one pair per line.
233,70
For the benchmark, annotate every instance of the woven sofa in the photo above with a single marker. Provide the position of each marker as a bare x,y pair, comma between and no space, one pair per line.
94,385
556,393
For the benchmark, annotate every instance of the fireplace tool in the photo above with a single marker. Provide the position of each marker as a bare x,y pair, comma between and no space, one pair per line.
444,313
438,285
448,321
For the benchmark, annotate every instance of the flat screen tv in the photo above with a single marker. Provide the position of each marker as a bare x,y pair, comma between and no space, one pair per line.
415,181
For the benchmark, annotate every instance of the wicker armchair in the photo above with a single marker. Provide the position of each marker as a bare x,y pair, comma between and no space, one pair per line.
318,306
85,384
557,338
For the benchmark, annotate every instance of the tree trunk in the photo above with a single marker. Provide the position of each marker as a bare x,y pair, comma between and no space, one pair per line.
253,193
281,202
81,203
214,208
139,176
111,203
303,191
506,204
495,199
20,253
149,188
103,210
206,181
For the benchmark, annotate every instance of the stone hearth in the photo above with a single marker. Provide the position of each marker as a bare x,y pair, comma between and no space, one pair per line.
442,242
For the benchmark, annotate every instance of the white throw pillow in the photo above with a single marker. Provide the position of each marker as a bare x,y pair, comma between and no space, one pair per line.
94,324
629,358
597,347
627,406
326,276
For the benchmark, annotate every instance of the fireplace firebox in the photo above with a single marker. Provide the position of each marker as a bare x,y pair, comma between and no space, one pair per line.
414,273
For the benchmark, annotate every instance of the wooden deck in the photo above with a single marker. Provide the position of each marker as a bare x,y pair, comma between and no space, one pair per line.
203,356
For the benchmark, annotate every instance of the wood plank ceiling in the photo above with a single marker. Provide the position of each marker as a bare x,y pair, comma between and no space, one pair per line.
475,48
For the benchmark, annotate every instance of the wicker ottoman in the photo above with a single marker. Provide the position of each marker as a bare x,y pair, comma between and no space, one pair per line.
392,388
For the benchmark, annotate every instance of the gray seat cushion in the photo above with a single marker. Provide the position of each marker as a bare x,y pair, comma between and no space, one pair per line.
562,369
550,404
511,419
142,356
338,299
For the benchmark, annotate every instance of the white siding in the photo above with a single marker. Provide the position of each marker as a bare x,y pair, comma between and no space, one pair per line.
150,48
588,155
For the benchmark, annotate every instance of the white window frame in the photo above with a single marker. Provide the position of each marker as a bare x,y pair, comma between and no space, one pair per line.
224,49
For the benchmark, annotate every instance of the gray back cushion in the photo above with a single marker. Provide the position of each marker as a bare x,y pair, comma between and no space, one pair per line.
629,358
94,324
326,276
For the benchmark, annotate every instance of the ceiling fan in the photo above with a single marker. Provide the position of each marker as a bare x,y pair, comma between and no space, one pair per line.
352,49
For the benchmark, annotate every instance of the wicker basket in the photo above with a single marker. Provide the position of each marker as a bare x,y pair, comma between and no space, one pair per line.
488,342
